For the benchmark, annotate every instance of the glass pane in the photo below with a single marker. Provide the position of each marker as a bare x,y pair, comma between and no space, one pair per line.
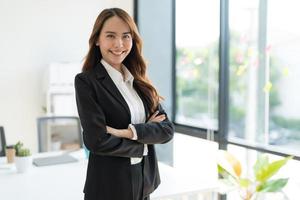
284,38
197,62
243,64
264,73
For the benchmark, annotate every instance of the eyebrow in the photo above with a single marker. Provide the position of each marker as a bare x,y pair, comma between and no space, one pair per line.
111,32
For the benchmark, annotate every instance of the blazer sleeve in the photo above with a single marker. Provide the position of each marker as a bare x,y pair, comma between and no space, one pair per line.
155,132
93,123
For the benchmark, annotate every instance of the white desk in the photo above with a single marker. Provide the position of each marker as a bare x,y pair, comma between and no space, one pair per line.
66,181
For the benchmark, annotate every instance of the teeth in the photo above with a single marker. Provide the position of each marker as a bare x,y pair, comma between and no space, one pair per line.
117,52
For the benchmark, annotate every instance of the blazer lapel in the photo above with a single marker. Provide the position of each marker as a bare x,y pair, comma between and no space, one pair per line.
108,83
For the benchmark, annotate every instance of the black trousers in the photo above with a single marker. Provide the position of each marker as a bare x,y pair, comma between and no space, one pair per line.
137,182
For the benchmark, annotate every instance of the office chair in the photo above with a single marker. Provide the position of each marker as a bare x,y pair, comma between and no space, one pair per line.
59,133
2,142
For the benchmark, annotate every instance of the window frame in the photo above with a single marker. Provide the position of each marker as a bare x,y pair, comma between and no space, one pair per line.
221,135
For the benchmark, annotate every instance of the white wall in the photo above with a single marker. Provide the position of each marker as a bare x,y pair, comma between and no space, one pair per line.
34,33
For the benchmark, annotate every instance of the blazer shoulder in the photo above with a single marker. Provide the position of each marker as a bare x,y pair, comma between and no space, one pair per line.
86,76
96,72
80,77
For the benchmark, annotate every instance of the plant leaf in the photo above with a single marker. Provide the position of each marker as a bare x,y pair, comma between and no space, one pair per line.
261,162
231,180
234,162
266,172
245,182
230,163
272,185
223,172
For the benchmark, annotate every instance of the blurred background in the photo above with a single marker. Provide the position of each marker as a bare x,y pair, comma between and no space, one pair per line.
229,71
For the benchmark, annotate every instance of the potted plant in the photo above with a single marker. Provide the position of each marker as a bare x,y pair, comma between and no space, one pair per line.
23,158
251,189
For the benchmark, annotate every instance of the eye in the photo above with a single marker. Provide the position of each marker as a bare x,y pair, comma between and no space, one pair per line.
127,36
110,36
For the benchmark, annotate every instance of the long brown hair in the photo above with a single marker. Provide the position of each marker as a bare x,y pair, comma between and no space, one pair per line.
134,60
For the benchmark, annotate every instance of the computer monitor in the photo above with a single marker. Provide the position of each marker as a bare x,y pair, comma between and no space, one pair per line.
59,133
2,141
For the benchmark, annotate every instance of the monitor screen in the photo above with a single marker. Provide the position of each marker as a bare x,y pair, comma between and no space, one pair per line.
2,142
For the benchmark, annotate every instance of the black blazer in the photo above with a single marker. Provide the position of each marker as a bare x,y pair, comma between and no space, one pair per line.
100,103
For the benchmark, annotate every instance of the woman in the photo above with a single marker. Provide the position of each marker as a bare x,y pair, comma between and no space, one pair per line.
120,112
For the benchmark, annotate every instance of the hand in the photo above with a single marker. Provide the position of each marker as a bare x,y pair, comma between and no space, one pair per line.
157,118
110,130
122,133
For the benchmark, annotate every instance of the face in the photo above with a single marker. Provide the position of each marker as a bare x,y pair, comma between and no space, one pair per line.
115,41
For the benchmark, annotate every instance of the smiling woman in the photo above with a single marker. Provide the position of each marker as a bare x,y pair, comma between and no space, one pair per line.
120,112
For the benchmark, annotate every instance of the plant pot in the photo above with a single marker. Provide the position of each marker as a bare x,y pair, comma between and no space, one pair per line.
23,164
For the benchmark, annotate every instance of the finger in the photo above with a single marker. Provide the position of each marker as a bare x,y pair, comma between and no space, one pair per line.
161,117
154,114
158,118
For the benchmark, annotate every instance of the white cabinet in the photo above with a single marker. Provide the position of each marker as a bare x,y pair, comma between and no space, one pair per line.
60,92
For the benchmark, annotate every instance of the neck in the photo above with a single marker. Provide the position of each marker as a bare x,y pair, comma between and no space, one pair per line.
120,69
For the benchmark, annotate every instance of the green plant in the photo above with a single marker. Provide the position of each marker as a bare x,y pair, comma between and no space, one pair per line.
20,150
230,169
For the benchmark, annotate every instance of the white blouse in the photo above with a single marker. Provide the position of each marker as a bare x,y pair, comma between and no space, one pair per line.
134,102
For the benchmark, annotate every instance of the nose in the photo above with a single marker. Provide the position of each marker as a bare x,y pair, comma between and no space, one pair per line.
118,43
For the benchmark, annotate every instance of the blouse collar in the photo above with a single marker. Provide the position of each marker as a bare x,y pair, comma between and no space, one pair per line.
116,76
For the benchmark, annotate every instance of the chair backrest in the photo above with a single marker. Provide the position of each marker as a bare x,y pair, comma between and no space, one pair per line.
59,133
2,141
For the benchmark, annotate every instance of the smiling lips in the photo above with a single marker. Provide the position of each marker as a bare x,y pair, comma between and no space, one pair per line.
117,53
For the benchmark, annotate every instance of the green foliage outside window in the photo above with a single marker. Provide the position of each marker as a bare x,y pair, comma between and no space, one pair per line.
197,73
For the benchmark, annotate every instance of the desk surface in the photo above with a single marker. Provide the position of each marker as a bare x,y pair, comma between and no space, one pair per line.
66,181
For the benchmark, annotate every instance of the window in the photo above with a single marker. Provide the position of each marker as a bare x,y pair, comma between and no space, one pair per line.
264,69
197,63
256,70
